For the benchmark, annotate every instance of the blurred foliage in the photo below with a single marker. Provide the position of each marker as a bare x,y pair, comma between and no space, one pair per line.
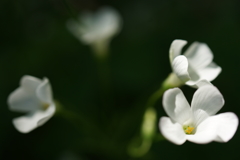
35,41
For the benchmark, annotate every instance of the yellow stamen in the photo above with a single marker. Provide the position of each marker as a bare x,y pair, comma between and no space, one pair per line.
45,106
188,129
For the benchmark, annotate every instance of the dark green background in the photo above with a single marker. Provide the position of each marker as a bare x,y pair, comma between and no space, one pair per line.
35,41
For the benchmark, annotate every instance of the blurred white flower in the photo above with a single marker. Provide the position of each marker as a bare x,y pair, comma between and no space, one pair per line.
96,29
197,124
34,96
194,65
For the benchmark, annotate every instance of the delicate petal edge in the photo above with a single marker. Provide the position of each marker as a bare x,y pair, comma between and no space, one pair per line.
176,48
172,131
180,68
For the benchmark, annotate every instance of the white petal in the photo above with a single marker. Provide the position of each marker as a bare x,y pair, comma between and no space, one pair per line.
76,29
205,133
176,48
198,83
176,105
108,22
30,82
226,125
207,99
199,116
27,123
172,131
192,83
24,98
194,77
202,83
199,55
44,91
48,114
210,72
219,128
83,29
180,68
193,73
87,19
94,27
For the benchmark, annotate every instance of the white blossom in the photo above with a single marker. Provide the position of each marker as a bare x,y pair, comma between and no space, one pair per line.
197,124
96,29
34,97
194,65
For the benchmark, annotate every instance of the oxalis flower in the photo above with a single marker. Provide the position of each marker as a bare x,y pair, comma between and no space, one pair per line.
34,97
197,124
96,29
193,66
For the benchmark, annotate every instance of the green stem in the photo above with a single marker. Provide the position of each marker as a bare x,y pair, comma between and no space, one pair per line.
136,150
101,49
105,83
149,119
104,74
154,97
140,150
170,82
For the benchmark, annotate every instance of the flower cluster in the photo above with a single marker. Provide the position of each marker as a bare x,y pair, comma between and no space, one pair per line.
194,68
197,123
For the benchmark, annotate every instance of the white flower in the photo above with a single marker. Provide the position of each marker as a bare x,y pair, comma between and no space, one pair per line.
34,96
197,124
96,29
195,64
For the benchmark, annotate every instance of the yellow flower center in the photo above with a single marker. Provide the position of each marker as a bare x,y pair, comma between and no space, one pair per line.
188,129
45,106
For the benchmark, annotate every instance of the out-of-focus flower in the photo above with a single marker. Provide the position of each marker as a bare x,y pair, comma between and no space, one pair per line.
34,96
197,124
193,66
96,29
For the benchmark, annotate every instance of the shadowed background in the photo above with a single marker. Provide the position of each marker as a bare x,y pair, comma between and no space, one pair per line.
35,41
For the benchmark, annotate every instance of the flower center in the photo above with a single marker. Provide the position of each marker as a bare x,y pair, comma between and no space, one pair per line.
188,129
45,106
